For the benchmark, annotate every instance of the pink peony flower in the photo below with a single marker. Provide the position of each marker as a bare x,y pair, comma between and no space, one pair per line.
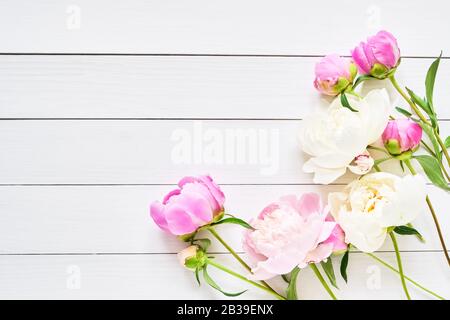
401,135
197,202
334,74
291,232
378,55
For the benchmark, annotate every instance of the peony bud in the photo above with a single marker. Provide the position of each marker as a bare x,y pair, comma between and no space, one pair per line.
192,258
334,74
402,135
378,57
197,202
362,164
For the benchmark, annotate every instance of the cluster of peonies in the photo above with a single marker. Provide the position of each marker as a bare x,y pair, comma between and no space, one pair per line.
300,231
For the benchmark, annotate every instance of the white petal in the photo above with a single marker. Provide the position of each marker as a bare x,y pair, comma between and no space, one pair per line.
408,203
374,112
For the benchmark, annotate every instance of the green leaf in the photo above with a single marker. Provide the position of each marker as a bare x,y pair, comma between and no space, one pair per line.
402,166
203,243
406,230
430,133
292,287
345,103
191,263
329,271
430,79
420,102
197,277
344,264
361,79
234,221
285,278
447,142
214,285
404,112
433,171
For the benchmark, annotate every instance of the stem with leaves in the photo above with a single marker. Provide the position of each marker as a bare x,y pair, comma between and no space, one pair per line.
433,214
420,115
322,281
241,277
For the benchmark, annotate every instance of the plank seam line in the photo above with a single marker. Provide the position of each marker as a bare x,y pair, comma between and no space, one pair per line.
187,55
163,119
171,253
159,184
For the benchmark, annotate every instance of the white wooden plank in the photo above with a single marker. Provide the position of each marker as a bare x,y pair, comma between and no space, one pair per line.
153,152
95,219
178,87
202,26
148,276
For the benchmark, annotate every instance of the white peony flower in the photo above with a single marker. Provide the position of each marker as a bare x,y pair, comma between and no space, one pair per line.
370,205
334,138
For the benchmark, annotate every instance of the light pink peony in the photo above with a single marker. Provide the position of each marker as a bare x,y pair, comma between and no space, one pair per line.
378,55
334,74
401,135
196,202
291,232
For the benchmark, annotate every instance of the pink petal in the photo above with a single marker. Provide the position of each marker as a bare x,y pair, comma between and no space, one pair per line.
360,59
319,254
326,231
157,214
268,210
309,203
179,222
170,195
217,194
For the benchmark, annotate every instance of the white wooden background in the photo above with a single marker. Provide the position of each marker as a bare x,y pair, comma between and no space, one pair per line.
91,93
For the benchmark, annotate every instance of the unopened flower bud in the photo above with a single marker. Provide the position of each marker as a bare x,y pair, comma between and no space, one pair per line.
402,135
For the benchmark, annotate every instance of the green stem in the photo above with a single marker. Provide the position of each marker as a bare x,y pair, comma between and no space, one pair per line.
433,214
322,281
400,266
236,256
387,265
420,115
378,149
410,167
241,277
438,228
428,148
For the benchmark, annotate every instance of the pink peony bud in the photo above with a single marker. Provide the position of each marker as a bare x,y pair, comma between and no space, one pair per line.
401,135
334,74
362,164
289,233
197,202
378,56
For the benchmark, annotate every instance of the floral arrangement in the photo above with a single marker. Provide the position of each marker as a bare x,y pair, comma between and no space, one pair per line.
358,133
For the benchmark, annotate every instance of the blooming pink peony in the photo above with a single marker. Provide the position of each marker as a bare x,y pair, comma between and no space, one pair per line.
291,232
334,74
378,55
401,135
196,202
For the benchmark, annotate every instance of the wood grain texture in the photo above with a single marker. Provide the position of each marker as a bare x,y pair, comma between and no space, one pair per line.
180,87
150,276
231,27
115,219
